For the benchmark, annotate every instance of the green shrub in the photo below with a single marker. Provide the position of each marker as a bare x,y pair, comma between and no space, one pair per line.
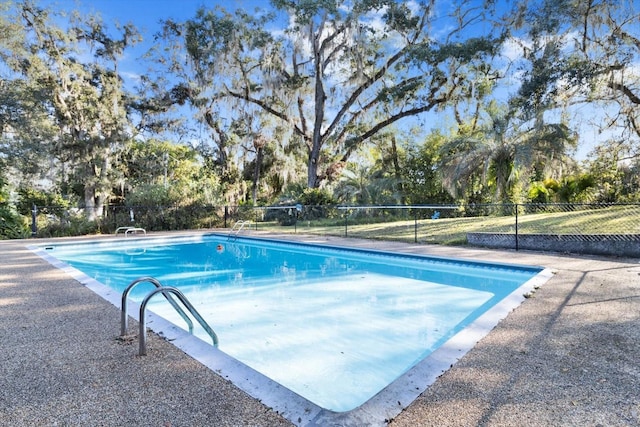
12,225
47,202
70,223
316,197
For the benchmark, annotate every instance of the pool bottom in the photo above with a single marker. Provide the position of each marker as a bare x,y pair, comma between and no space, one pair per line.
350,354
385,405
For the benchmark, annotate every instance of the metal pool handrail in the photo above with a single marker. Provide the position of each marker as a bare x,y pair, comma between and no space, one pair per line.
130,230
237,228
124,318
143,321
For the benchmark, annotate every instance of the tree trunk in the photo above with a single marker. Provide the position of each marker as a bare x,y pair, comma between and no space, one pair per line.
312,170
396,167
313,180
256,174
90,202
96,187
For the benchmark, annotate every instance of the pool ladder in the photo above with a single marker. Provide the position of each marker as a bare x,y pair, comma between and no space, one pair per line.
167,292
237,228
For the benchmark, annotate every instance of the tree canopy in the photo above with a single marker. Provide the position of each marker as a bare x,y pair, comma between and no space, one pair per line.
367,99
340,73
82,120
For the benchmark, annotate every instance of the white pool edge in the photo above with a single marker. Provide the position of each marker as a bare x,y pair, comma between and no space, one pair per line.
384,406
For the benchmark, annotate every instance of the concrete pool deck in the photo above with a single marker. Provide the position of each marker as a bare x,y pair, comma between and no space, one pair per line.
567,356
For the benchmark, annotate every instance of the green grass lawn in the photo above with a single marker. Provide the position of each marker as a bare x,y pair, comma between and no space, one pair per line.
453,231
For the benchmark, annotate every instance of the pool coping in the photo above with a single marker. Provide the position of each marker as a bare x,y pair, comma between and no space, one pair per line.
385,405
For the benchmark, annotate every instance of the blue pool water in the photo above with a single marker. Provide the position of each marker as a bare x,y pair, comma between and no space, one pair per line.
334,325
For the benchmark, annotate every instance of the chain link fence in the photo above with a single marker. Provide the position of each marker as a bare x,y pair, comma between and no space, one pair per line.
612,229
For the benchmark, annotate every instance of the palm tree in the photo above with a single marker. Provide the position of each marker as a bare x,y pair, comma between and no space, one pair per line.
366,184
503,154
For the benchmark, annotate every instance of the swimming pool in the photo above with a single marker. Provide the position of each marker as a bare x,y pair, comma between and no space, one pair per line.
334,325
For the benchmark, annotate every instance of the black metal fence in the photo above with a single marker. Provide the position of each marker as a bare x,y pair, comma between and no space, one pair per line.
162,218
497,225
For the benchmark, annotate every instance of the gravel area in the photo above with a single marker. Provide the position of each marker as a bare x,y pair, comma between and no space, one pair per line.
568,356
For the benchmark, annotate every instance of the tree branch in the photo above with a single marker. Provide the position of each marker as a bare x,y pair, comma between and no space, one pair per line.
387,122
626,90
263,105
360,89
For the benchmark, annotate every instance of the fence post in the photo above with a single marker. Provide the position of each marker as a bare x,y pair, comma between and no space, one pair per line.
346,216
415,226
34,225
516,206
226,214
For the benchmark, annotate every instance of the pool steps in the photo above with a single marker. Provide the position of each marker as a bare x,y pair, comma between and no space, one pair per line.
166,291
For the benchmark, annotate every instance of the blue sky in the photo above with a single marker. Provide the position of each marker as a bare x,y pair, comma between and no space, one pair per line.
146,14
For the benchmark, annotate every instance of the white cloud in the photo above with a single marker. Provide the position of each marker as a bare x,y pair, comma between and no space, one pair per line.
513,48
130,76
